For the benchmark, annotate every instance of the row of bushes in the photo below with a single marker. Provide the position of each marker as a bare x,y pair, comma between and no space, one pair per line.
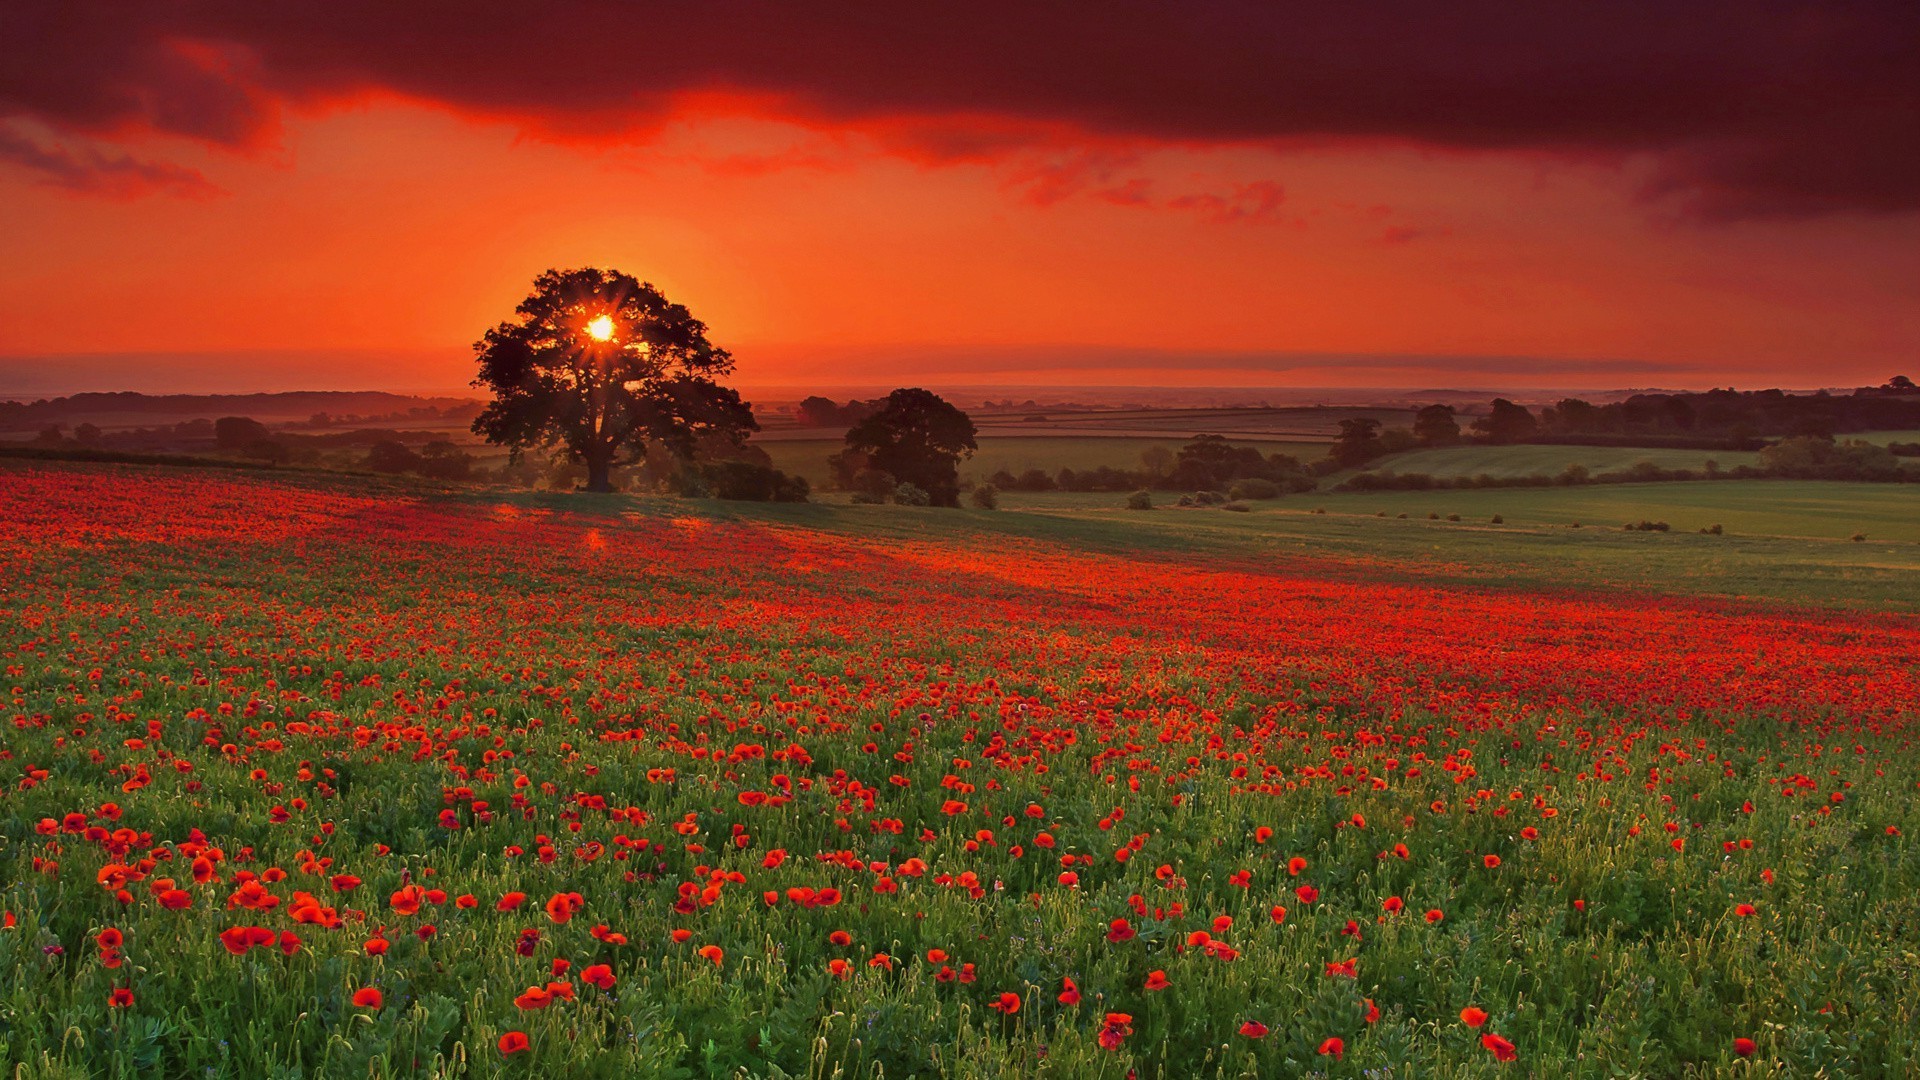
1803,458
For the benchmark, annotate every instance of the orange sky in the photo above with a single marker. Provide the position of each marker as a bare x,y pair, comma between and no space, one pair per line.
370,241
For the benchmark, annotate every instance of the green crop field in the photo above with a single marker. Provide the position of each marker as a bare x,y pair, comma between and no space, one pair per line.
1511,461
1017,454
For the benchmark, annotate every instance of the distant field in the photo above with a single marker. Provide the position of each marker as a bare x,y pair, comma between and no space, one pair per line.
1016,454
1884,437
1506,461
1807,509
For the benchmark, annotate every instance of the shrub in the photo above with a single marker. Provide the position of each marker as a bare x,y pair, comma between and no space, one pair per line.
1453,517
1254,488
752,482
1433,515
1714,530
1237,507
1498,520
1859,538
907,494
1644,525
1143,500
986,497
867,498
391,456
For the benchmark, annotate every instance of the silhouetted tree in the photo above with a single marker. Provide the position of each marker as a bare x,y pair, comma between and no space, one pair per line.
918,439
597,364
1435,426
1506,423
1358,443
442,460
391,456
238,433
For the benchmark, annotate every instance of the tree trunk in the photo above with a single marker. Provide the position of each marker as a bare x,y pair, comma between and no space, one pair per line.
598,478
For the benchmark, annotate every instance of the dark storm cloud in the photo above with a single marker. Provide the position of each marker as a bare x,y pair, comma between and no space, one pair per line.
1747,107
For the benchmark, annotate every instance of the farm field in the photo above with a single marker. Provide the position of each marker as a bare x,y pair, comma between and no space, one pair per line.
1532,460
328,776
1018,453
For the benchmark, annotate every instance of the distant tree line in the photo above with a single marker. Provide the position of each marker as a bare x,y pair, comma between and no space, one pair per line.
1801,457
819,411
341,407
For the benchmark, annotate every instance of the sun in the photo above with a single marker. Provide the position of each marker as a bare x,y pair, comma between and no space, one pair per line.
601,328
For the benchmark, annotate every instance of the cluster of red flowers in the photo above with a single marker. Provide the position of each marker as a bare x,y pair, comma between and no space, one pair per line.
787,748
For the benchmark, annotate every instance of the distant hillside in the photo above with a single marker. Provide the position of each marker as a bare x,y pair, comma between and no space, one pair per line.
127,408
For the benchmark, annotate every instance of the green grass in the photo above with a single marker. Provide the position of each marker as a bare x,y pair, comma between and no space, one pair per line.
1786,540
1017,454
1510,461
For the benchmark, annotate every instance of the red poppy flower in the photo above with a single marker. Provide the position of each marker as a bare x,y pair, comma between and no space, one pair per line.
600,975
367,998
1744,1046
1434,915
513,1042
1253,1029
120,998
534,997
1333,1048
1008,1004
1501,1049
1157,980
1473,1017
1490,861
713,953
510,901
1071,994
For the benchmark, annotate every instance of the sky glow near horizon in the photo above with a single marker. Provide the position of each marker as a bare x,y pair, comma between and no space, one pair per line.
233,201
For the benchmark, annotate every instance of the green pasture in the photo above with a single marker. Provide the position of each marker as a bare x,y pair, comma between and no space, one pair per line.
1511,461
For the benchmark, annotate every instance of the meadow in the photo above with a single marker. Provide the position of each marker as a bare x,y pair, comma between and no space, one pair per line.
322,776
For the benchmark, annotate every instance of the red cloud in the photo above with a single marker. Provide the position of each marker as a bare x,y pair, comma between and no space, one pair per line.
1749,107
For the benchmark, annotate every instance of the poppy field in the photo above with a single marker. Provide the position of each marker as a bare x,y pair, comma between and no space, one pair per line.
305,777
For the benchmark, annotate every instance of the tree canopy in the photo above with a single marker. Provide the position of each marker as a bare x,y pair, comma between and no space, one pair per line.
918,438
596,365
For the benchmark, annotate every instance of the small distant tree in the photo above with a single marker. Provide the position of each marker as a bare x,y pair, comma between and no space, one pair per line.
1358,442
1157,461
236,434
86,434
442,460
1506,423
918,439
1435,426
598,363
391,456
986,497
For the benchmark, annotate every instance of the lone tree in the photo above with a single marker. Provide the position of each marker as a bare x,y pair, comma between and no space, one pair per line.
1435,426
919,439
1506,423
598,364
1359,442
